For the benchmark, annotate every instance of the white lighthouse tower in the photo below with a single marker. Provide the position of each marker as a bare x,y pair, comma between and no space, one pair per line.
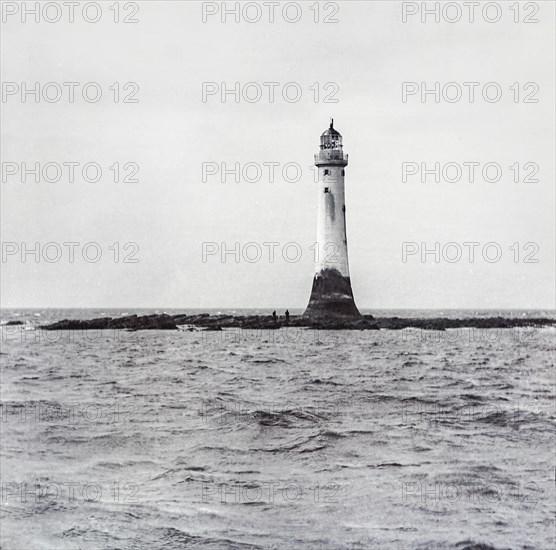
331,295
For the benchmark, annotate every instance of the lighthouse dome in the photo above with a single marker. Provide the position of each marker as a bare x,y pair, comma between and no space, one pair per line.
331,138
331,131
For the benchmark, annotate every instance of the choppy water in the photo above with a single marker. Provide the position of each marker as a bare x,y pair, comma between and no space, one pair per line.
297,439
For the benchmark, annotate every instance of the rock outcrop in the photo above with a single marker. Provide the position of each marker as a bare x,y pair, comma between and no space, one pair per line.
218,322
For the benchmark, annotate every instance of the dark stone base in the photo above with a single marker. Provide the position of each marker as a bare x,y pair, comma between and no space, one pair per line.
331,297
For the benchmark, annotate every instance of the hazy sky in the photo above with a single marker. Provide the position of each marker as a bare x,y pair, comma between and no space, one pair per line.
170,212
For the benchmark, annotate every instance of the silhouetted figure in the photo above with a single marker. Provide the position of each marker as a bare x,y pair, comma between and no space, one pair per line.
274,316
287,316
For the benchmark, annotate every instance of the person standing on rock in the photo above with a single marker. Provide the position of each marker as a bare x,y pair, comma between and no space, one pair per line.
274,316
287,316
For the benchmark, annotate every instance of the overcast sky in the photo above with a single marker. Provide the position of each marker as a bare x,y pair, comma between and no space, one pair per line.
170,212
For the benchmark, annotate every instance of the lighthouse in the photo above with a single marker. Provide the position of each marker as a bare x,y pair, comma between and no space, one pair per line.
331,295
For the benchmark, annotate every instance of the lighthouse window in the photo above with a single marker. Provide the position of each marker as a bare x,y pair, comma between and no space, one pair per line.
326,189
343,172
326,172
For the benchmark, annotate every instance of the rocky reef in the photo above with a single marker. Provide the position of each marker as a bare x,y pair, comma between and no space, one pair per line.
205,321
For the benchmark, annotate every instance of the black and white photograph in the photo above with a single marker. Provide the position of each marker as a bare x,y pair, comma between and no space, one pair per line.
278,275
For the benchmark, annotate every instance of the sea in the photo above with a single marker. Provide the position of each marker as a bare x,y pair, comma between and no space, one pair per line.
285,439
